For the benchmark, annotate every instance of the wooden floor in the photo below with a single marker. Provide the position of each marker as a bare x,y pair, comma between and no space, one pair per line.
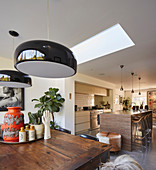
147,159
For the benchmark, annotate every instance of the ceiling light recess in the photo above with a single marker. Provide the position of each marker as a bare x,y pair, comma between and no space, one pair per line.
12,78
106,42
45,58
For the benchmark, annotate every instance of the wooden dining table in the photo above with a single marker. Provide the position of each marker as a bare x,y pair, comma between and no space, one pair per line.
62,151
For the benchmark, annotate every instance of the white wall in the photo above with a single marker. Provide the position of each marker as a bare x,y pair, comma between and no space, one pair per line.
116,94
69,105
65,118
39,86
6,64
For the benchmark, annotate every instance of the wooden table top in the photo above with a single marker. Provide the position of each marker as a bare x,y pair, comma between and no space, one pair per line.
63,151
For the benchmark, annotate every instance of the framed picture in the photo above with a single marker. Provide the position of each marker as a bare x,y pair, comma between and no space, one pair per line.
151,100
11,97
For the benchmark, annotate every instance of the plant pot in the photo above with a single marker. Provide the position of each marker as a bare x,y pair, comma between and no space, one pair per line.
13,121
39,131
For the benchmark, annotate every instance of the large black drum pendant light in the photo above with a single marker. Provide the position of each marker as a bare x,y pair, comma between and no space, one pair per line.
45,58
12,78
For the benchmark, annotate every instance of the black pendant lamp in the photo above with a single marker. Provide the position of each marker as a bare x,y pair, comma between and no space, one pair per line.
121,89
45,58
132,82
11,78
15,79
139,85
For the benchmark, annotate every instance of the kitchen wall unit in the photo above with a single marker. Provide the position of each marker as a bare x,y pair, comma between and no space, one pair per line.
82,100
82,121
89,89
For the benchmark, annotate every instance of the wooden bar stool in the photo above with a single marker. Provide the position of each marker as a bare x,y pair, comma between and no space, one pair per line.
110,138
139,137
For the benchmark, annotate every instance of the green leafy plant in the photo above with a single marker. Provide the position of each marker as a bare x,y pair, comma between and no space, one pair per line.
52,101
35,118
126,103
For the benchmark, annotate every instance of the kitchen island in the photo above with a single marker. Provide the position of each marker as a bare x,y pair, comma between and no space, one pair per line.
121,122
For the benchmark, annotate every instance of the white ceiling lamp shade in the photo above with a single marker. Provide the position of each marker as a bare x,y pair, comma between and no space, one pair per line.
12,78
121,89
132,82
45,59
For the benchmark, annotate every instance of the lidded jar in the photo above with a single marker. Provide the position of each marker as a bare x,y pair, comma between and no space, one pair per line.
13,121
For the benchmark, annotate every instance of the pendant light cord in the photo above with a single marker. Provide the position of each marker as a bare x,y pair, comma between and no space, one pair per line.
139,85
13,43
48,23
132,82
121,76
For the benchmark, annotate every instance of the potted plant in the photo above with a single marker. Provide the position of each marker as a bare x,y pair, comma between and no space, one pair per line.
52,101
126,103
35,120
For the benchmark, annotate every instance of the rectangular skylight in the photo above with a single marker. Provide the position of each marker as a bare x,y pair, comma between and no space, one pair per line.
106,42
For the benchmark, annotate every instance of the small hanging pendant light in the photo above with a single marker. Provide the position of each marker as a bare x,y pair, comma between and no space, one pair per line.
12,78
132,83
121,89
139,85
45,58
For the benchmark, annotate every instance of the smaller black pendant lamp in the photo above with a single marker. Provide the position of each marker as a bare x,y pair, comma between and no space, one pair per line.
121,66
45,58
15,79
139,85
12,78
132,83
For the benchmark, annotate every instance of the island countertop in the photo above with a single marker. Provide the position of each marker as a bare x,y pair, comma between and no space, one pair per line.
128,112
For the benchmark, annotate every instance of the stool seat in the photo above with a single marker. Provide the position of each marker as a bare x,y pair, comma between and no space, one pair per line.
110,138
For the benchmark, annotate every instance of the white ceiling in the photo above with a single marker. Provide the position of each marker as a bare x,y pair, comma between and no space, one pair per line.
73,21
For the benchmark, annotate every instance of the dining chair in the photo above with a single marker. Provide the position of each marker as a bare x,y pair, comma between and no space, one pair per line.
64,130
89,137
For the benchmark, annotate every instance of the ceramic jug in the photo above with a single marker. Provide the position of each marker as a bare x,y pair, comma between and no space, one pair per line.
13,121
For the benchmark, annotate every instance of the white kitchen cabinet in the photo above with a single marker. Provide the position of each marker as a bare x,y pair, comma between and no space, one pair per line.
82,121
89,89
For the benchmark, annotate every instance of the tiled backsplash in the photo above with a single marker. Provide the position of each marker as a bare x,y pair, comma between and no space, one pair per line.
82,100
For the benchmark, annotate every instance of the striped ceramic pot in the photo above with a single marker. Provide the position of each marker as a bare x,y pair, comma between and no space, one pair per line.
13,121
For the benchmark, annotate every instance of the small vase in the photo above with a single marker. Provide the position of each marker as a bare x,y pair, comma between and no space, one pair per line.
13,121
39,131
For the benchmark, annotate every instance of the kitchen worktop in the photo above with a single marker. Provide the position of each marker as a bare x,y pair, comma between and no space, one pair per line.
128,112
104,110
